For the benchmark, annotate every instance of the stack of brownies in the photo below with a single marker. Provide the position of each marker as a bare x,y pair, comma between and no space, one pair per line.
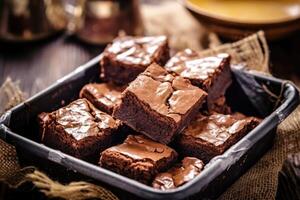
155,119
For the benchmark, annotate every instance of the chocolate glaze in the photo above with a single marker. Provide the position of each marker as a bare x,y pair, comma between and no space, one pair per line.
182,56
139,147
136,50
217,128
81,119
188,64
103,93
166,94
180,174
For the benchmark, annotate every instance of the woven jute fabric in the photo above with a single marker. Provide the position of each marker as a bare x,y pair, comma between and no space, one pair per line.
12,174
10,170
260,182
253,51
10,94
73,191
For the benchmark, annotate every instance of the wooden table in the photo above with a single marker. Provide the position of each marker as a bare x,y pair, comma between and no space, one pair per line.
38,65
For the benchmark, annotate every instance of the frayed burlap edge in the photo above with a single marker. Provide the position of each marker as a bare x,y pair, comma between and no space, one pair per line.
13,175
10,94
74,190
252,51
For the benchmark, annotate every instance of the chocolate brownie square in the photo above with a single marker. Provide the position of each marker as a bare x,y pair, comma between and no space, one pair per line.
128,56
158,104
103,96
79,129
211,74
178,175
209,136
138,158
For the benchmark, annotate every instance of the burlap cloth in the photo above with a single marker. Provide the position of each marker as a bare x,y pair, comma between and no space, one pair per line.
260,182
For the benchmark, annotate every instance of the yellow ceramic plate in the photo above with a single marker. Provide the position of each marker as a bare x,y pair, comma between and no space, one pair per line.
238,17
250,11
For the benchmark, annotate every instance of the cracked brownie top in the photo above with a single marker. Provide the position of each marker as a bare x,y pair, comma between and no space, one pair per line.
104,96
188,64
136,50
81,119
139,147
178,175
217,128
168,95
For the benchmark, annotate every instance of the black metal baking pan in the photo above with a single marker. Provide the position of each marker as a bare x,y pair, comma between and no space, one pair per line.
252,94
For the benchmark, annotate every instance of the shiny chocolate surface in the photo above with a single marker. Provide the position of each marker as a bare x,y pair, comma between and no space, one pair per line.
166,94
139,147
136,50
104,93
184,172
81,119
217,128
189,64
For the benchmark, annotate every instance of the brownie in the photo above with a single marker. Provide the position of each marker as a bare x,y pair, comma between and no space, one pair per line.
103,96
212,135
219,106
211,74
128,56
158,104
178,175
79,129
138,158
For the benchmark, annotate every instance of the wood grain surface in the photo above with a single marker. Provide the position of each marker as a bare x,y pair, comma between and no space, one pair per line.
37,65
